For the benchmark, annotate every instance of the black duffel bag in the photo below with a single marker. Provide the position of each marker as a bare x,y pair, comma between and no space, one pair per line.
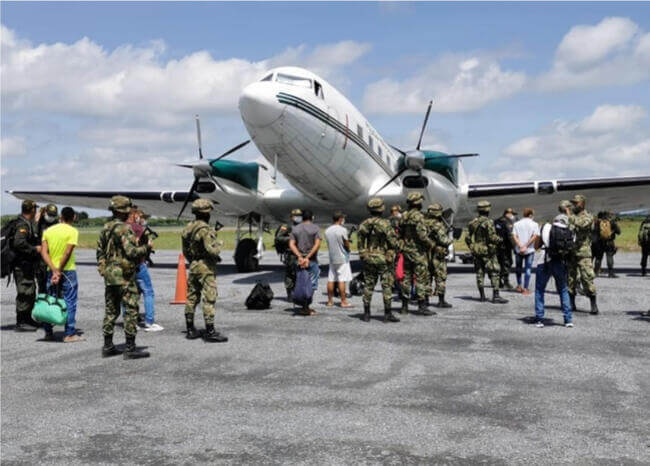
260,296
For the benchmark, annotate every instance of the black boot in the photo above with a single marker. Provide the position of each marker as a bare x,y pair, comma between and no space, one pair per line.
109,348
24,323
423,310
366,312
611,274
497,299
132,352
192,332
212,336
289,295
405,306
643,271
427,302
481,292
441,301
594,305
572,298
388,314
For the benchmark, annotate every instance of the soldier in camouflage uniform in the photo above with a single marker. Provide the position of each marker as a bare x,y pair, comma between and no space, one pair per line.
438,255
581,223
118,257
281,244
377,245
482,240
202,249
415,246
503,226
49,216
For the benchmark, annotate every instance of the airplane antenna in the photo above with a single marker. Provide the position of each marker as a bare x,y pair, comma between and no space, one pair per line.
198,136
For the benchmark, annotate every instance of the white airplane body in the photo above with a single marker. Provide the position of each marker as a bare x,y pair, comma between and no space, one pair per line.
335,160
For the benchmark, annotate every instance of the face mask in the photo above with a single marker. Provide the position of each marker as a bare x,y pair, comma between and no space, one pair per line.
577,209
297,219
49,219
398,215
343,223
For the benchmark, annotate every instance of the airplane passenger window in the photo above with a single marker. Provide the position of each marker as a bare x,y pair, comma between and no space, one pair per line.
379,151
370,143
267,78
360,131
293,80
318,89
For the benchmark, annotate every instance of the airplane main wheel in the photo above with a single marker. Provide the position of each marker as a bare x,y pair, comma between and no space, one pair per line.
245,259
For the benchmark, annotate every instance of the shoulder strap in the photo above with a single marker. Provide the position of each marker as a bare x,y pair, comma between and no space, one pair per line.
110,238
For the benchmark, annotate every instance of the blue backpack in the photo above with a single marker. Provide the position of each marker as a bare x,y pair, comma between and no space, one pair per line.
303,292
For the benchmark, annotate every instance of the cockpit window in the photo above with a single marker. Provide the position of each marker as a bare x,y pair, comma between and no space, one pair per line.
267,78
293,80
318,89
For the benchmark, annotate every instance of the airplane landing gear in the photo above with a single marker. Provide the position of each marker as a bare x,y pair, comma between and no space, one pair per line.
248,251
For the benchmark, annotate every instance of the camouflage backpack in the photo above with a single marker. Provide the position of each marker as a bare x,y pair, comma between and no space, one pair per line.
605,229
480,238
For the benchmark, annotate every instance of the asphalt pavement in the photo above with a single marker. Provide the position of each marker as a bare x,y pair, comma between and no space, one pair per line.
477,383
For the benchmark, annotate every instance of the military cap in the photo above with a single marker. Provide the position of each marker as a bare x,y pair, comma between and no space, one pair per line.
296,212
120,204
28,205
415,198
564,205
51,210
376,204
578,198
509,210
434,208
203,206
483,205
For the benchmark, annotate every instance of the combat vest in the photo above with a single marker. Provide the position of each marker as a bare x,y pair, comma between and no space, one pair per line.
376,246
480,237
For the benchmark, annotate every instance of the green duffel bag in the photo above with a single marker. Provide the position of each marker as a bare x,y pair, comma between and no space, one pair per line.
50,310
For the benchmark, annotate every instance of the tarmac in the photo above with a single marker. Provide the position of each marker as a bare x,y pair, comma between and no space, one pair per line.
477,383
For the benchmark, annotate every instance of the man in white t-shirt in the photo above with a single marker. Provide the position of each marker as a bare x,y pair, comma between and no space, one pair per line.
524,234
338,245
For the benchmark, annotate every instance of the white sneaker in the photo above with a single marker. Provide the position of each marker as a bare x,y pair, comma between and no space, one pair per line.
539,324
153,328
569,325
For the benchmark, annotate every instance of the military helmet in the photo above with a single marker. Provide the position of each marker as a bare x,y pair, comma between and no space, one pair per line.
483,206
202,206
415,198
565,204
120,204
296,212
578,198
51,210
376,204
434,209
27,205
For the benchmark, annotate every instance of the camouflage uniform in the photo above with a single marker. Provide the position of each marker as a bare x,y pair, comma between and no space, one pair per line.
118,257
281,243
503,226
415,245
438,254
377,245
27,258
482,240
607,246
581,223
44,224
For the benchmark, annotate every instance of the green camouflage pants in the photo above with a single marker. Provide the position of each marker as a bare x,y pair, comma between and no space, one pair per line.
377,272
290,272
202,287
420,272
489,265
504,256
25,290
439,273
583,267
114,295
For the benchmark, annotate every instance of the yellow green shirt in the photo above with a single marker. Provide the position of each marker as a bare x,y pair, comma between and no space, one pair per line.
58,237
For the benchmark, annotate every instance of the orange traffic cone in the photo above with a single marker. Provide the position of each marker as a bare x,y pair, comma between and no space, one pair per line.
181,282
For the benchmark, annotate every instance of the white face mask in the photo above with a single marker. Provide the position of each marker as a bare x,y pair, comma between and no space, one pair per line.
343,223
297,219
49,218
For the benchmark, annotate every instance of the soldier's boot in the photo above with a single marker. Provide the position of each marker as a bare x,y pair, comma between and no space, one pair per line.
192,332
109,348
481,292
441,301
23,324
289,294
388,314
405,306
366,312
423,310
572,298
643,272
427,301
497,299
212,336
132,352
611,274
594,306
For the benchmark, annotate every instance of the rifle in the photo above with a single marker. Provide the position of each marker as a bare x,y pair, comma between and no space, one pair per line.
149,233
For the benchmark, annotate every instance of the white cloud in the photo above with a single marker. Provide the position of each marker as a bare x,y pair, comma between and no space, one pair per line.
612,52
613,140
13,147
457,83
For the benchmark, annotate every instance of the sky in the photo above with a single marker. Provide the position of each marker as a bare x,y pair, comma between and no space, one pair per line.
103,95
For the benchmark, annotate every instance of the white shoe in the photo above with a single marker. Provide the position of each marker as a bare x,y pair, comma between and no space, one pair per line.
569,325
153,328
539,324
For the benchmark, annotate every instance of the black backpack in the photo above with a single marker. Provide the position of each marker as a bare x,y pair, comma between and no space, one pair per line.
8,255
561,242
260,296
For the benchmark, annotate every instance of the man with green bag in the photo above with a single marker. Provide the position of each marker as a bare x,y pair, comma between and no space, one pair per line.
118,257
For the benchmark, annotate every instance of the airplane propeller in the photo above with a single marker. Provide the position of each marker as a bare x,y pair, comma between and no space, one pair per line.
204,169
416,159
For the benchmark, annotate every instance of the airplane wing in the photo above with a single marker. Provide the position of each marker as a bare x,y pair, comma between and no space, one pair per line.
618,194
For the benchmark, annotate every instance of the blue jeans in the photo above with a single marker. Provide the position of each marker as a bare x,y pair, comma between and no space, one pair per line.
69,289
558,270
314,274
527,261
143,280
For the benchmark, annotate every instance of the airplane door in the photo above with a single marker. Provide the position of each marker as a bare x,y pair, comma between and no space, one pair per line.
329,135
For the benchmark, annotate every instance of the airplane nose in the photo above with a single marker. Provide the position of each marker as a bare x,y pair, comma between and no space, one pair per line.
258,105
